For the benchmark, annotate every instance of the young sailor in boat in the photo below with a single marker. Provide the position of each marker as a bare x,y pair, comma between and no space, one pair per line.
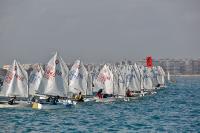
157,86
129,93
12,100
99,94
79,97
33,99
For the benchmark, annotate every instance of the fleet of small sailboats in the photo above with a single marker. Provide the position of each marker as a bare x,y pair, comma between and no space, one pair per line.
56,86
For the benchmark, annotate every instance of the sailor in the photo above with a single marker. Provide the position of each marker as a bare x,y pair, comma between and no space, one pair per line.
33,99
56,98
158,85
12,100
79,97
128,93
99,94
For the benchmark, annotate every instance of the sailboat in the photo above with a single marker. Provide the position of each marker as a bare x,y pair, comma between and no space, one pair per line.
147,81
169,80
104,81
15,85
78,80
35,78
168,76
54,84
135,82
132,88
161,76
118,82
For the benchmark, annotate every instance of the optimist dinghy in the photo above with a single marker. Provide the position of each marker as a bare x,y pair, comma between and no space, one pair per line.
15,85
54,83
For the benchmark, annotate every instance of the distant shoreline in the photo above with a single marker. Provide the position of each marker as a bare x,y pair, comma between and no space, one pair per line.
186,75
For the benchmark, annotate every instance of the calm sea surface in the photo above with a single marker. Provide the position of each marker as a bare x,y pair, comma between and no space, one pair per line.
174,109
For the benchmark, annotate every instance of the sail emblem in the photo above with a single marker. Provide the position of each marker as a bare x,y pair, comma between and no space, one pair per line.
9,77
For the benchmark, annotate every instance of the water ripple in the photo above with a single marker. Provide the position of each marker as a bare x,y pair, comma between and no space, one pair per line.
174,109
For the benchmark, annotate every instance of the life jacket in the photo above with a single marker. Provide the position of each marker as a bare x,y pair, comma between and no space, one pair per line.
128,94
79,97
99,95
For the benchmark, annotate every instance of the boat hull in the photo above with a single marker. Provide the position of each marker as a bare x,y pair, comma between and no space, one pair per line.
89,99
49,106
17,104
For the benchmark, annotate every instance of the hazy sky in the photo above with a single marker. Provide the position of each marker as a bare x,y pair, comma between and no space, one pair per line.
98,30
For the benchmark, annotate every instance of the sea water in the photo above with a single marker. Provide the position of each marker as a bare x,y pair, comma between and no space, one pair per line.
174,109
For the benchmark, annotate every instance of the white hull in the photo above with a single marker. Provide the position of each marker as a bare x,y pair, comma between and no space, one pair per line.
17,104
89,99
48,106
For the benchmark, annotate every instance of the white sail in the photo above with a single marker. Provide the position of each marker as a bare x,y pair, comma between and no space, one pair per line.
115,80
139,74
121,81
89,84
55,79
154,76
105,80
131,80
161,75
134,80
95,74
128,77
136,69
15,82
168,76
147,80
35,78
78,77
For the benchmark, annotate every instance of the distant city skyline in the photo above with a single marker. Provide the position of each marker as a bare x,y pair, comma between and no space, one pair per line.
98,31
173,66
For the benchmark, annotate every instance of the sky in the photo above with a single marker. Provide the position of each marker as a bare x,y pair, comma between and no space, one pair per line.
31,31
